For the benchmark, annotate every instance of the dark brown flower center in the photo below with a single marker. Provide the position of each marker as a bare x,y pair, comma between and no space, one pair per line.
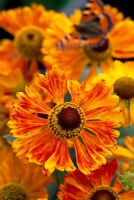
99,53
69,118
124,87
66,120
103,193
13,191
29,42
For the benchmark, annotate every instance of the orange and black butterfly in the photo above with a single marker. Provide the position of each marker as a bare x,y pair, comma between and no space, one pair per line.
94,26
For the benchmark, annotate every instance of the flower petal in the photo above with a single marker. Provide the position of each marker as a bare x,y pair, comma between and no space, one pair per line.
84,161
55,83
104,131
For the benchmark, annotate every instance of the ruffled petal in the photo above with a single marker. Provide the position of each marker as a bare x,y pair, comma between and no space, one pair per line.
36,148
33,100
60,159
96,150
25,123
55,83
100,96
104,131
108,171
84,161
76,186
77,92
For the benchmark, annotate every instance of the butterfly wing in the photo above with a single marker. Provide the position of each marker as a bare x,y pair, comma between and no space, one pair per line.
92,8
94,11
94,26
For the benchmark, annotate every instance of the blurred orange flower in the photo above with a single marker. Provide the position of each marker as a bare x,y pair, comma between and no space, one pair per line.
28,27
19,180
45,131
101,184
118,44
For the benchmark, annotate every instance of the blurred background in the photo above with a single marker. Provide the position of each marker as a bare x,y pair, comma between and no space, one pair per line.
68,6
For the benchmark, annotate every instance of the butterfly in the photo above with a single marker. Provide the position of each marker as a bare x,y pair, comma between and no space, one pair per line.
91,32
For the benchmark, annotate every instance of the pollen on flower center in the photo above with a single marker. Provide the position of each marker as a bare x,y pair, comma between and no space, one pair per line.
124,87
66,120
103,193
13,192
28,42
99,53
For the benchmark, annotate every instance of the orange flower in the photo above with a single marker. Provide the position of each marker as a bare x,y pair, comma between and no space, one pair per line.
45,131
121,76
28,26
101,184
118,44
19,180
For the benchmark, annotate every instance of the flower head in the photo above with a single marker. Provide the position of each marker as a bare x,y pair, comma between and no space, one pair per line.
46,126
121,76
28,26
114,44
101,184
20,180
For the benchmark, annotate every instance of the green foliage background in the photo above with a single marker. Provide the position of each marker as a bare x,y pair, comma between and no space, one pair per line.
49,4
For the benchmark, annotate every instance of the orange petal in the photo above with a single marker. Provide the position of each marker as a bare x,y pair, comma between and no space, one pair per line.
55,83
60,158
76,186
121,37
23,122
104,131
35,148
117,187
31,102
96,150
15,19
100,96
127,195
108,171
77,91
84,161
